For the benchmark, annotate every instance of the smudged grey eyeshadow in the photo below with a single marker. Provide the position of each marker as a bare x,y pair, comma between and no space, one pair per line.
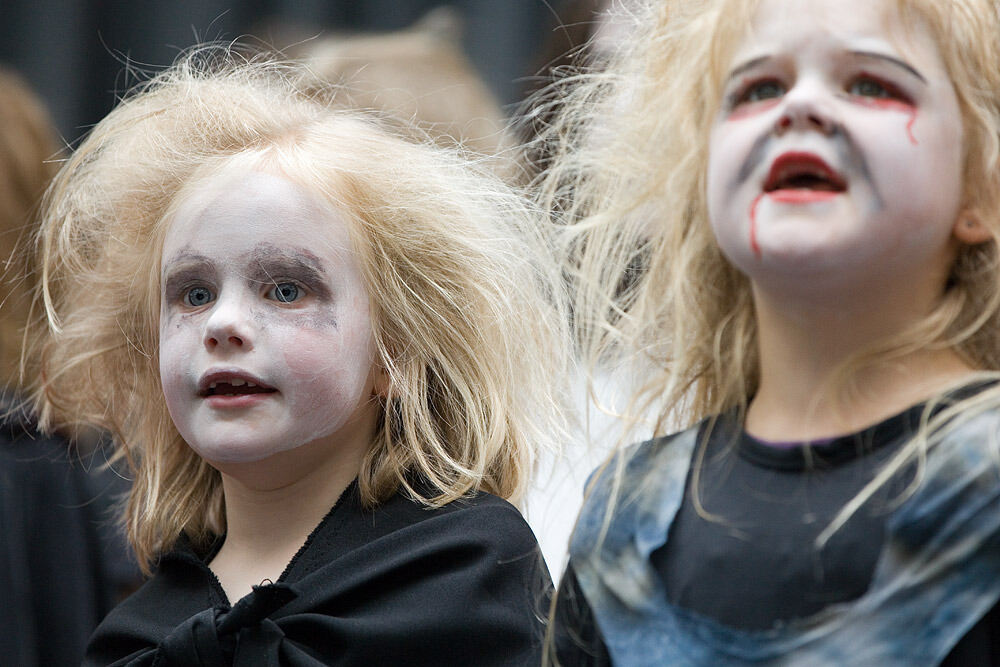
270,264
183,269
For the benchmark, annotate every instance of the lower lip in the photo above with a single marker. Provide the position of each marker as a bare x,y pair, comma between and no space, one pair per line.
224,402
802,196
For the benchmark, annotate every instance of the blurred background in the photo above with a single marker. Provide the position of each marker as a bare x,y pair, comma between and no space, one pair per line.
74,52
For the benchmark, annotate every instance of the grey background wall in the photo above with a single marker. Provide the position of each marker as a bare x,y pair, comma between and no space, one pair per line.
73,51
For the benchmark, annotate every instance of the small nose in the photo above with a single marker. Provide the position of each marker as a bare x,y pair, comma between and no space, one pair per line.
228,326
808,106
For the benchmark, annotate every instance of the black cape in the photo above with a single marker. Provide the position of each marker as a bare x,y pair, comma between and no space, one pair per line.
398,585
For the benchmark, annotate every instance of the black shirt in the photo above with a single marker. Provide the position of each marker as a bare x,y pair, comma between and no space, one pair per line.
752,562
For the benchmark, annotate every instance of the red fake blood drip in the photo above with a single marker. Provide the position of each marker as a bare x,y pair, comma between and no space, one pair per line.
909,127
752,109
753,225
896,105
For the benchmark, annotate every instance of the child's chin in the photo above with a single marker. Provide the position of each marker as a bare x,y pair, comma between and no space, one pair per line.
221,454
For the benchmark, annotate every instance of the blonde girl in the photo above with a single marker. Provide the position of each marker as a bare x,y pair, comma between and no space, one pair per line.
324,352
784,215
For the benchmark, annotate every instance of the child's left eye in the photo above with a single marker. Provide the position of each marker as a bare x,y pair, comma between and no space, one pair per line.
866,86
285,292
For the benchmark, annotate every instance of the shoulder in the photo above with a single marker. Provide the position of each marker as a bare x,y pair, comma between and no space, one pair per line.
480,520
634,495
457,584
651,462
178,590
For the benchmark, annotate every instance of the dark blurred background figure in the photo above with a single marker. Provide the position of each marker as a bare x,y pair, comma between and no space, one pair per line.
63,565
72,51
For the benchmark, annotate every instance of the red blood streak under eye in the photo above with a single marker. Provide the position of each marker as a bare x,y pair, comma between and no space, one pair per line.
909,127
753,225
896,105
749,109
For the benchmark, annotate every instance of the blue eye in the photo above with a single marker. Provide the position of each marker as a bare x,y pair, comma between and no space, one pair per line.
284,292
198,296
865,87
761,90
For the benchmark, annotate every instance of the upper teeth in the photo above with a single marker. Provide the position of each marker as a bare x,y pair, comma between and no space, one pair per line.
235,382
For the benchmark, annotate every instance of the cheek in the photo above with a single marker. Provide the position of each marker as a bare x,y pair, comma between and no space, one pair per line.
176,340
922,182
329,366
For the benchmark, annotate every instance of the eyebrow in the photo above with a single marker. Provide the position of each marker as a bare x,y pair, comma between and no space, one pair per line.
753,62
183,261
892,60
298,264
182,268
750,64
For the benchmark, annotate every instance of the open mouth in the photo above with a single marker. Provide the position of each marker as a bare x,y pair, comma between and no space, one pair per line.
803,171
228,385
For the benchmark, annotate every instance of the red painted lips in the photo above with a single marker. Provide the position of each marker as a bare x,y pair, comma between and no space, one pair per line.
798,176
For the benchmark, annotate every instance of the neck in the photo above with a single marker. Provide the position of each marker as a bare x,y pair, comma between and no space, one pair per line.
272,506
804,347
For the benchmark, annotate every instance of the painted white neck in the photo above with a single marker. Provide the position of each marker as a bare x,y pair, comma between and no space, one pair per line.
803,347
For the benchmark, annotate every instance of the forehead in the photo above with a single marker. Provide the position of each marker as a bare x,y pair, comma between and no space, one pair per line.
238,210
821,26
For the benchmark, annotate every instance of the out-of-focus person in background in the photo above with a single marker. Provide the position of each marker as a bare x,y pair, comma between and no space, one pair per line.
61,565
419,75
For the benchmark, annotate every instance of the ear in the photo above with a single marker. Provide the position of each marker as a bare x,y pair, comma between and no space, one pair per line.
381,382
969,228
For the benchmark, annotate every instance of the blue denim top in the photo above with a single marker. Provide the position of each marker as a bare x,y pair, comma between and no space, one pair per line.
937,574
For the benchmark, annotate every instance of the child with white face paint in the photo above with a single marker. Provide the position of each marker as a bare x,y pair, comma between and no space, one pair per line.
325,351
802,198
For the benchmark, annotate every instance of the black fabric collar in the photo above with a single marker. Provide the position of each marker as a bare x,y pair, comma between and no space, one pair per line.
816,456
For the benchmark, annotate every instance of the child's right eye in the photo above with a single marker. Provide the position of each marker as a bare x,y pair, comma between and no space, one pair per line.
198,296
758,91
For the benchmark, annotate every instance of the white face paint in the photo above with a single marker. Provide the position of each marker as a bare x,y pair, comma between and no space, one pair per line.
260,287
836,158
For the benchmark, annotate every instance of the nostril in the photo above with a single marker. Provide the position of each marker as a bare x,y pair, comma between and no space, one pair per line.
236,340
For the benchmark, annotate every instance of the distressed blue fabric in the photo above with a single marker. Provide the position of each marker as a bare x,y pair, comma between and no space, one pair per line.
937,574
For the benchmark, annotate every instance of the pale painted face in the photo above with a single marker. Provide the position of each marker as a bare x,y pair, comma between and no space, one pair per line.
836,158
265,333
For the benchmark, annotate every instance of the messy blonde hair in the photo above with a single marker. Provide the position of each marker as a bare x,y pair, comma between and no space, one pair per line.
652,289
27,150
464,310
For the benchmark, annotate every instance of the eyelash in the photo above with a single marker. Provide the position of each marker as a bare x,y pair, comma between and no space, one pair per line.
273,286
893,92
745,94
